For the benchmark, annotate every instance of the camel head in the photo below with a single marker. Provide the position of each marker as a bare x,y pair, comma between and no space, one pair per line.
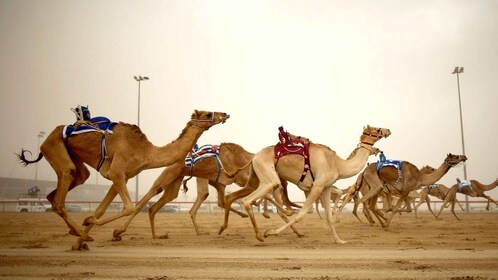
204,119
453,160
373,134
427,169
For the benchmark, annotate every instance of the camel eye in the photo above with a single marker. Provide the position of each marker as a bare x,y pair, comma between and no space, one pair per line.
209,116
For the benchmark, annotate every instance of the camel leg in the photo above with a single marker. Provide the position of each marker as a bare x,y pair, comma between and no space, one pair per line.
263,189
328,214
70,173
220,189
251,186
170,192
489,200
458,202
202,194
265,208
453,209
372,207
314,194
428,201
422,200
119,183
355,207
168,175
283,213
395,209
99,212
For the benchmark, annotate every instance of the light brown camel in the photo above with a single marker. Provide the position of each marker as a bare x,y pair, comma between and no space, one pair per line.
387,179
436,190
476,189
128,153
326,166
232,168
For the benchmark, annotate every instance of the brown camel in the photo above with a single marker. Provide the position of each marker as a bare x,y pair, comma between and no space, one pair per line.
476,189
232,168
436,190
326,166
128,153
387,179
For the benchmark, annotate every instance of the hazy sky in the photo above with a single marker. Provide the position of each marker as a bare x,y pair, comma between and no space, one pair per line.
323,69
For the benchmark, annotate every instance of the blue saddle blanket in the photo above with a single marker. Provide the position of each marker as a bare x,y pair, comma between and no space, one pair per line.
101,124
199,153
388,162
463,184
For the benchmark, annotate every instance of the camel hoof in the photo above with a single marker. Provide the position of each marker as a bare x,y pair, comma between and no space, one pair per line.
269,232
339,241
221,230
116,235
89,221
164,236
116,238
300,234
244,215
80,247
266,215
259,237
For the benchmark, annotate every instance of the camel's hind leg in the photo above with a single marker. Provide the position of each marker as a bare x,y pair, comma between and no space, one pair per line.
251,186
69,175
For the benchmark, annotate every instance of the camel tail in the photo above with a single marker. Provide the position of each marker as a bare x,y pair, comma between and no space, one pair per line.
22,158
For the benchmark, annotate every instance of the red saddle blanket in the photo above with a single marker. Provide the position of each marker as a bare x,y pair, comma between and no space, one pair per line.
297,146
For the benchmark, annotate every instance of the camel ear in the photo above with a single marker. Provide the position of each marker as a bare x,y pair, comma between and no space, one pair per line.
195,114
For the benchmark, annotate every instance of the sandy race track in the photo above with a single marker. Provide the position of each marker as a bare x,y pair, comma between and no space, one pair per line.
37,246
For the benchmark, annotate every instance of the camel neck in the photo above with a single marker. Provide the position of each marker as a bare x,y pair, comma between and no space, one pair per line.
166,155
431,178
354,164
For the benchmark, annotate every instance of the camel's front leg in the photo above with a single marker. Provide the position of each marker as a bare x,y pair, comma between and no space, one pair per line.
99,212
119,183
170,192
453,209
156,189
328,213
312,197
395,209
281,211
202,194
248,201
220,189
251,185
489,200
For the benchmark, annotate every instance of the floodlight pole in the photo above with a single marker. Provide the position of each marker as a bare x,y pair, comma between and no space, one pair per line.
459,70
138,79
40,135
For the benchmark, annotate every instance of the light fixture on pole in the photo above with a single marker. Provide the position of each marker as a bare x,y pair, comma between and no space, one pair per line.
40,135
459,70
138,79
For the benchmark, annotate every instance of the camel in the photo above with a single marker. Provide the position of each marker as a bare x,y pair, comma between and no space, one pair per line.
476,189
232,168
128,153
326,166
388,179
436,190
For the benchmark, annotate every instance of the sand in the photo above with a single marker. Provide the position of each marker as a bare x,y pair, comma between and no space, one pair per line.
38,246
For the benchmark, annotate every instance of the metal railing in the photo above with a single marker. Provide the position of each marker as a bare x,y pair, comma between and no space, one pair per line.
476,206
